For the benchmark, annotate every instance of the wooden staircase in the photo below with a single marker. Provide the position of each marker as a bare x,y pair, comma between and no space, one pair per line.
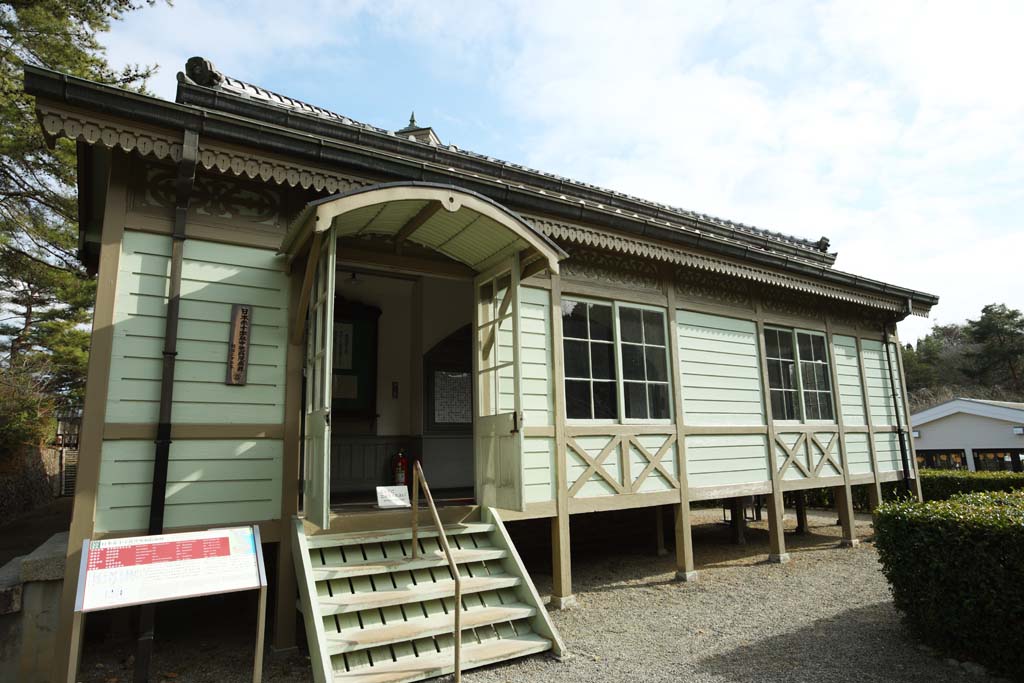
373,613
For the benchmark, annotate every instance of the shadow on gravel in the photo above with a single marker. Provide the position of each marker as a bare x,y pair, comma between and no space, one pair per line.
864,644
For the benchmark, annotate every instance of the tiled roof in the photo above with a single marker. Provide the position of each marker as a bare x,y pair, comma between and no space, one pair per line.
202,72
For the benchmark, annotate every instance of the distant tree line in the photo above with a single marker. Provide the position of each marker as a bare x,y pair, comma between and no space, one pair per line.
981,358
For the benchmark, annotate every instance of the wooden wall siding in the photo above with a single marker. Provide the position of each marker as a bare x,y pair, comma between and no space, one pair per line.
214,276
538,469
593,466
887,452
726,459
849,393
858,454
880,400
209,482
808,454
719,370
620,463
536,347
361,463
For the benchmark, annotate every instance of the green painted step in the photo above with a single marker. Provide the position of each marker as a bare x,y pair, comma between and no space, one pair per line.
388,535
409,669
354,602
427,560
354,639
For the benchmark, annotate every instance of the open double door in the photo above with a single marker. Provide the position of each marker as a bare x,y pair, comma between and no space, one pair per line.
497,400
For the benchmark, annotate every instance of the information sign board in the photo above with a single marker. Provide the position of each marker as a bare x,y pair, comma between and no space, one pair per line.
143,569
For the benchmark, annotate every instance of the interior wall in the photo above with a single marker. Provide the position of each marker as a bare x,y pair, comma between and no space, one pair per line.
394,297
446,306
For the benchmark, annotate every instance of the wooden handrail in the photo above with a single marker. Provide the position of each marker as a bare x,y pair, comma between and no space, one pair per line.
420,481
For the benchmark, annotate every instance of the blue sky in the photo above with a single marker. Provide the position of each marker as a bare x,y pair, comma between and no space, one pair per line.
892,128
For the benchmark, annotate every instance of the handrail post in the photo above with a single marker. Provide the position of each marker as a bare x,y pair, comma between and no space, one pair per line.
419,480
415,509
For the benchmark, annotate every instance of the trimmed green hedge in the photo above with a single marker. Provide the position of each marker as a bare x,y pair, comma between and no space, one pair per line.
956,570
943,484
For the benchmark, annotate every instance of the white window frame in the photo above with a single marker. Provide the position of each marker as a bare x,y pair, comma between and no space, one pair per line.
799,377
619,381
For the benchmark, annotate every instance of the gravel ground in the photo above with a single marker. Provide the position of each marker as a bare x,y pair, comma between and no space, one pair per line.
825,616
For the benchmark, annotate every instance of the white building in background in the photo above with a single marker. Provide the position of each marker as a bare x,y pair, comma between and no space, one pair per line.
967,433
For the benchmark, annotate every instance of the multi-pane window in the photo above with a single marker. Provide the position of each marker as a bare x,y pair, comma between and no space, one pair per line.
781,373
589,361
798,395
814,376
644,363
597,351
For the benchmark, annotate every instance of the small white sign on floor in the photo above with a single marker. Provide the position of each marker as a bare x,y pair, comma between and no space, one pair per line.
393,497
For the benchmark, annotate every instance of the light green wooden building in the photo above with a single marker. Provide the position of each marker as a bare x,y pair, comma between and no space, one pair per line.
543,347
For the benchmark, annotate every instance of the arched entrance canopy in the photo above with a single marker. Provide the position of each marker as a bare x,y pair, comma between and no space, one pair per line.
489,243
462,225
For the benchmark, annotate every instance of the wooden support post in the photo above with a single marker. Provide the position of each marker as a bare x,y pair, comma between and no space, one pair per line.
685,570
659,530
283,633
739,522
684,544
776,506
561,564
561,559
70,624
844,506
801,512
874,495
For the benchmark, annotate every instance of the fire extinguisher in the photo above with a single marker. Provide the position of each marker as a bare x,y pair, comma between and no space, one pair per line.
400,468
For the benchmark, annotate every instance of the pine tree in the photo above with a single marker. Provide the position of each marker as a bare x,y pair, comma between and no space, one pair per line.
45,295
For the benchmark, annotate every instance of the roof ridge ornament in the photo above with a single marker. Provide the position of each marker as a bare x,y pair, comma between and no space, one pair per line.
201,71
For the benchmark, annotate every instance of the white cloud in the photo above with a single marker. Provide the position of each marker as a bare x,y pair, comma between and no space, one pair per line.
893,128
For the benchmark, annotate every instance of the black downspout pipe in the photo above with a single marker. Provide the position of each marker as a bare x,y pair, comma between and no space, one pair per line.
898,408
183,194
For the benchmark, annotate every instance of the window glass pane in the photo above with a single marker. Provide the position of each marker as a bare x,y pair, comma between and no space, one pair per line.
783,407
808,375
771,343
778,407
785,371
632,361
630,329
657,366
577,399
636,400
654,328
804,340
603,360
825,406
576,362
811,411
600,322
822,377
574,319
658,395
774,374
818,343
605,406
785,344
